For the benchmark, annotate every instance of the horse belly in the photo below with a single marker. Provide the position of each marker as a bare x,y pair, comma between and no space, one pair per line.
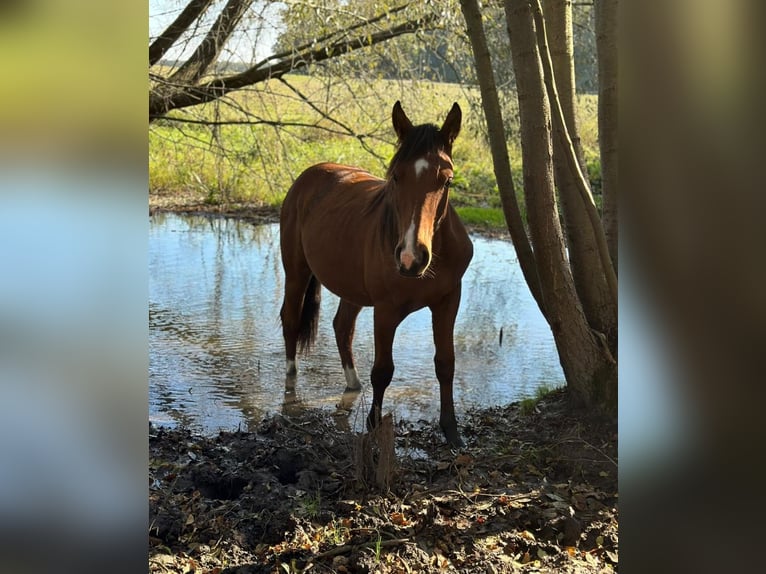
339,268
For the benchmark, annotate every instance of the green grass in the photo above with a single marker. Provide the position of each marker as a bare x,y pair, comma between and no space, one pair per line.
527,405
311,504
486,217
257,163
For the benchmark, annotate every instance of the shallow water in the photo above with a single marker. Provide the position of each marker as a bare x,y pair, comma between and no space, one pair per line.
216,358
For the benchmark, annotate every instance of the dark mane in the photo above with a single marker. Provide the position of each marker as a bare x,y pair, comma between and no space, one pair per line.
419,141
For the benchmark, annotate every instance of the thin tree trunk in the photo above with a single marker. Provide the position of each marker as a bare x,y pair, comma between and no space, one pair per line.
606,49
588,366
165,40
497,140
587,267
207,52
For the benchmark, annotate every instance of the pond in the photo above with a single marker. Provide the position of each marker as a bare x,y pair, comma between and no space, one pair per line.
216,354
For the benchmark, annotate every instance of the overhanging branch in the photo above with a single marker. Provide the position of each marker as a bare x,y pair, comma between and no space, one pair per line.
164,98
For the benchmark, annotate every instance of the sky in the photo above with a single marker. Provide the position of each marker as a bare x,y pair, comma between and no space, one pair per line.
252,42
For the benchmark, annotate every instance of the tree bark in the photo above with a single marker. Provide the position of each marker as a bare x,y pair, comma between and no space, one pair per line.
583,230
606,50
497,141
589,367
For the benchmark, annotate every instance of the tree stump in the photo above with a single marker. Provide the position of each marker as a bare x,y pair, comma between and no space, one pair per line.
374,456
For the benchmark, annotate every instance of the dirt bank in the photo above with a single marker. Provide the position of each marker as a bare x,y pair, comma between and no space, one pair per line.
534,490
192,203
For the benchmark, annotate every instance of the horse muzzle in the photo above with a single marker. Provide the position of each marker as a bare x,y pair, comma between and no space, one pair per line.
412,262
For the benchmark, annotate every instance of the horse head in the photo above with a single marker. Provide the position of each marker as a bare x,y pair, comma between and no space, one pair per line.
419,177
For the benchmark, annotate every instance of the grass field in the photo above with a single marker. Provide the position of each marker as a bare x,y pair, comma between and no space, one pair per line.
256,162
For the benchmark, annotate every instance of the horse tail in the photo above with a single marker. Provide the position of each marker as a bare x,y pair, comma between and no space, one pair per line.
307,329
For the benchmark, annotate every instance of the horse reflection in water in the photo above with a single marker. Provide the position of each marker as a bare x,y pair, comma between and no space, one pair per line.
395,244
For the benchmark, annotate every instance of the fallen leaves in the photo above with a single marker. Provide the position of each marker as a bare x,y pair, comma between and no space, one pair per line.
399,519
506,502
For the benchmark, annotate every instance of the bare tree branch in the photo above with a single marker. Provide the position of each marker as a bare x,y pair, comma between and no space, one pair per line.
163,98
329,36
273,123
164,41
347,130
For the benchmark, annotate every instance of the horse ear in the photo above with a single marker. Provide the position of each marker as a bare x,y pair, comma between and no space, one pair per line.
402,124
451,127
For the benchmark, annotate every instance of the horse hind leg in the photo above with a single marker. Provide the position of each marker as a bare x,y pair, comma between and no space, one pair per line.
299,312
344,324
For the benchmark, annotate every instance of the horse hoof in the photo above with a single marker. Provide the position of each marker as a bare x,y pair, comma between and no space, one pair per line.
456,442
453,438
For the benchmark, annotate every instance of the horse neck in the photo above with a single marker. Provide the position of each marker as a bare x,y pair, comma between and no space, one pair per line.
385,205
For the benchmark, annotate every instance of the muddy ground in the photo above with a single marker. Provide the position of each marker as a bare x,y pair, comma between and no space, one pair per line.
534,490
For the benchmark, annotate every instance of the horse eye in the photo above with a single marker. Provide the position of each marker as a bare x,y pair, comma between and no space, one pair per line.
448,183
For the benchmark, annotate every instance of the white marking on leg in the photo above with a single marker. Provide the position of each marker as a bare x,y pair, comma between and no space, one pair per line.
352,378
421,165
290,368
407,256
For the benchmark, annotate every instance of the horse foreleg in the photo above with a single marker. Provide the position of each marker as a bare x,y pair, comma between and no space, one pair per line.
443,320
386,321
344,324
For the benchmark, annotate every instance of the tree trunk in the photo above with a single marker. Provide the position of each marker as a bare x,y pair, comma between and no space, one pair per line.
497,141
606,49
589,277
589,367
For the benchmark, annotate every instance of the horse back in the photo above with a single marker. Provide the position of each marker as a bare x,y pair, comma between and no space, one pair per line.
331,187
328,198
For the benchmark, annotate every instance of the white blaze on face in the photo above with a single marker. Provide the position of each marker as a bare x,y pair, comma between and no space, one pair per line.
421,165
407,256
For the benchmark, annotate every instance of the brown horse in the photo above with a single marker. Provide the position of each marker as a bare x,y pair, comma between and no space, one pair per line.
395,244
